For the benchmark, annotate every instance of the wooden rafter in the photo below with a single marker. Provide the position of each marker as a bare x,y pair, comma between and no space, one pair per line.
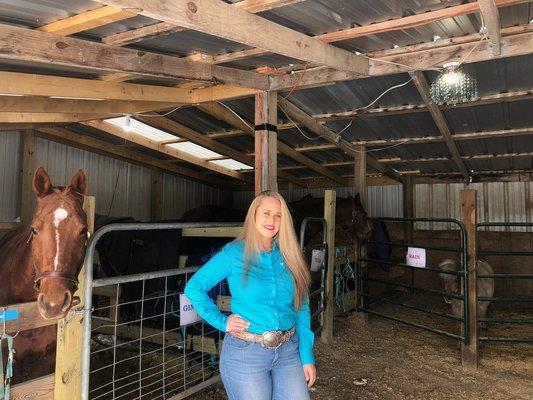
165,28
34,46
314,126
166,149
408,22
38,118
491,16
183,131
423,88
84,142
87,20
212,16
223,114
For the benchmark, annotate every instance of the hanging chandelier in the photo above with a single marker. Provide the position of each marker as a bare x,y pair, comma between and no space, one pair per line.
453,86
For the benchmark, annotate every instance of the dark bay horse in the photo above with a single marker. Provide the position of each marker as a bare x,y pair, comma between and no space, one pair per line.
41,262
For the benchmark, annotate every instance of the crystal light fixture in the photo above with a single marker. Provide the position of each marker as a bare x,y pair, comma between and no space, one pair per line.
453,86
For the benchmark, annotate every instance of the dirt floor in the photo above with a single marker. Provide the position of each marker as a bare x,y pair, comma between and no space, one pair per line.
386,360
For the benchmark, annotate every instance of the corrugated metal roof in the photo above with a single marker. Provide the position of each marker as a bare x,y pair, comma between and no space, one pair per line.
9,175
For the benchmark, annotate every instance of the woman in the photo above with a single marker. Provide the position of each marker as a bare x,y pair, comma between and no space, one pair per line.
268,348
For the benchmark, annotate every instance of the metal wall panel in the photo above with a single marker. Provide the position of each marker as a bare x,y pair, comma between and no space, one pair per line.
9,175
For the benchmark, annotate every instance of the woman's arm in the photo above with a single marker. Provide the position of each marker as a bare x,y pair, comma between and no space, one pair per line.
214,271
306,337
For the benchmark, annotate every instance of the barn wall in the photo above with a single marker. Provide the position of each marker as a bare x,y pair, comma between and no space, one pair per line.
383,201
133,183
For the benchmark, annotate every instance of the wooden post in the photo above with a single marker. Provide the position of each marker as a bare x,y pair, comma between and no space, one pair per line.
70,334
330,201
469,353
27,169
408,212
360,173
290,192
156,200
266,138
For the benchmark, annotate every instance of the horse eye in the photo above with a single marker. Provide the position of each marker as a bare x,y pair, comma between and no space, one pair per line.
33,231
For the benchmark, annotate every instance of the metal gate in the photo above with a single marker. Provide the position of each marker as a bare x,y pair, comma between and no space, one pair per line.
524,299
366,300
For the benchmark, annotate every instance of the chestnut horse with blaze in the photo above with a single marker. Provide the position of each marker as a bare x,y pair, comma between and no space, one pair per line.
41,262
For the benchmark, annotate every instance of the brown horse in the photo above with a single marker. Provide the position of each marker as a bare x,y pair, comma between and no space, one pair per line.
41,262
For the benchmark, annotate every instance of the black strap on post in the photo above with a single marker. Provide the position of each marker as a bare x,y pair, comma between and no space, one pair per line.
266,127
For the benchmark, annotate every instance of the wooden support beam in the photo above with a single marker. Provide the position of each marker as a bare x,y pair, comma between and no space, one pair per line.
212,16
27,170
330,205
491,17
36,389
165,28
88,143
360,172
314,126
156,195
469,352
50,49
423,88
165,149
42,105
266,131
411,21
87,20
53,118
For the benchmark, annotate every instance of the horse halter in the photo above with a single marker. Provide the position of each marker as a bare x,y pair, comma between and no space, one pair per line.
53,275
354,221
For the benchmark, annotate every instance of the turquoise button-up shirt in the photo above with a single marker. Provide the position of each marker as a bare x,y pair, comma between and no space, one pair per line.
264,298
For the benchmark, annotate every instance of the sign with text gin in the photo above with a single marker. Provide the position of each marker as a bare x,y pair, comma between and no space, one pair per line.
416,257
187,313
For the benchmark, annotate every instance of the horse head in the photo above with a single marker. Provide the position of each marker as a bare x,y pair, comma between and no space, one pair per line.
58,242
357,222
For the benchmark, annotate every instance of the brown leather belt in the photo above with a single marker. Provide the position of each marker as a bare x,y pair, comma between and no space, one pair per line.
268,339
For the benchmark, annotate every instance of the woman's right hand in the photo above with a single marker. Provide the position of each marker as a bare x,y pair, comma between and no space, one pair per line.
236,324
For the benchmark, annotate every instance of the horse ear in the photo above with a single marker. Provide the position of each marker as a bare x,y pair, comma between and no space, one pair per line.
41,182
357,198
78,183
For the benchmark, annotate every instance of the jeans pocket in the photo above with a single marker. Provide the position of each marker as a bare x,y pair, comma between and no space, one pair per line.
236,343
294,338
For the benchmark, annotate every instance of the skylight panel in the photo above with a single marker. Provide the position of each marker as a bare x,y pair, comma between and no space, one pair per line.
231,164
194,149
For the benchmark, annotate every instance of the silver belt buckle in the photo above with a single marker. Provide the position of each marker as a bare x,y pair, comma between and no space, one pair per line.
271,339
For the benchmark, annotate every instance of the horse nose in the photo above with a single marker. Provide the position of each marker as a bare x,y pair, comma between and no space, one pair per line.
67,301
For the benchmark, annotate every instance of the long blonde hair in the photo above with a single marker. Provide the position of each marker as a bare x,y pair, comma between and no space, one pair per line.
287,242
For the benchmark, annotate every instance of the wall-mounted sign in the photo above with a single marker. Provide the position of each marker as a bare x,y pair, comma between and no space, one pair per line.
187,313
416,257
317,259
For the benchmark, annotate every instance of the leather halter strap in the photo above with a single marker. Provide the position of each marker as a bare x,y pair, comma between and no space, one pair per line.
55,275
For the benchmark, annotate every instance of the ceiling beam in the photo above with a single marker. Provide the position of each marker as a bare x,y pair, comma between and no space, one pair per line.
38,118
165,28
411,21
50,49
98,146
26,104
314,126
183,131
516,41
223,114
166,149
423,88
87,20
212,16
491,17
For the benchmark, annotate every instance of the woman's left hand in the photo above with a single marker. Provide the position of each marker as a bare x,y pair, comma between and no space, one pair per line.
310,374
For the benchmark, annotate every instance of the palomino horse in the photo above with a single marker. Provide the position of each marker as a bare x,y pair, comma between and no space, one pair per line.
41,262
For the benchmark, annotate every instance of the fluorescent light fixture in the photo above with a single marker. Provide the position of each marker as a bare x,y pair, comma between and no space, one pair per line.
141,129
231,164
76,98
11,95
194,149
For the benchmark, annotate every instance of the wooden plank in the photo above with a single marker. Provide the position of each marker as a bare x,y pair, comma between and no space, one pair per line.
9,225
423,88
360,173
35,389
212,16
491,17
70,138
87,20
27,170
266,138
469,353
36,118
411,21
25,104
29,318
165,28
165,149
330,202
212,232
50,49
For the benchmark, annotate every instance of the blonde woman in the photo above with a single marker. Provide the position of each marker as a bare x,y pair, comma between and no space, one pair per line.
267,352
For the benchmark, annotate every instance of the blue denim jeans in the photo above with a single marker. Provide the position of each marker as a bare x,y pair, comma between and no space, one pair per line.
252,372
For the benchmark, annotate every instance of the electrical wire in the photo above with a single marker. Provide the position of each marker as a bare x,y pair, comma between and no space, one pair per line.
297,127
157,115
